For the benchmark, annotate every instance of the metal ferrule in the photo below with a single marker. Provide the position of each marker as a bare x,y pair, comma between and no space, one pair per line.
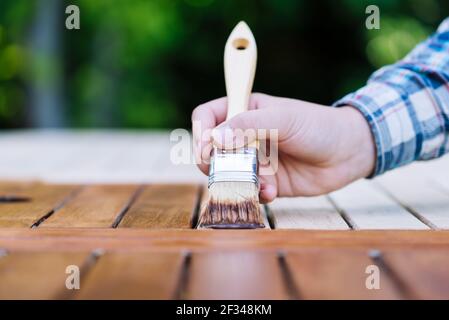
234,165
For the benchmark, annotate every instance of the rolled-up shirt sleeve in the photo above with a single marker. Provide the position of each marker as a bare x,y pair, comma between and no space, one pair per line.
407,104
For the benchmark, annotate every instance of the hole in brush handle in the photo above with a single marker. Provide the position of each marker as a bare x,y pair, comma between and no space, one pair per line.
240,43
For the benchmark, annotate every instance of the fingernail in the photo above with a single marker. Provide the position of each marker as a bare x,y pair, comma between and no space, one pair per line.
222,134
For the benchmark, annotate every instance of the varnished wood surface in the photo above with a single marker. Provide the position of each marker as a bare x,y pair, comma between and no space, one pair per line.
93,207
42,200
163,206
73,239
235,275
411,197
112,213
307,272
127,275
337,274
423,273
36,275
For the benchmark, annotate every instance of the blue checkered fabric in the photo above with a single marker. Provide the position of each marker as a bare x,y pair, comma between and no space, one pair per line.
407,104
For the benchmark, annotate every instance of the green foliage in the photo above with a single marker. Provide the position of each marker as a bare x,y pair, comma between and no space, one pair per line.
394,40
148,63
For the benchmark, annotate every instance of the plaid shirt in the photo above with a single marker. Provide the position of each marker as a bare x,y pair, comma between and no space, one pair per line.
407,104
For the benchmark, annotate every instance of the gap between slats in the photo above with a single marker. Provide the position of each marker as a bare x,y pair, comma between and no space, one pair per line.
342,274
308,213
421,195
236,275
423,273
133,275
65,219
163,206
410,209
59,206
202,278
368,208
43,201
36,275
294,274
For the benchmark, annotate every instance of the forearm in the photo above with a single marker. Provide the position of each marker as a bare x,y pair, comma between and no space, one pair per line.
407,105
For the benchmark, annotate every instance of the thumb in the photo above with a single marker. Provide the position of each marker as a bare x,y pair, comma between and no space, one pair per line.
246,127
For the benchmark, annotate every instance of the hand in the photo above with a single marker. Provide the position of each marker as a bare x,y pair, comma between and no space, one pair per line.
320,148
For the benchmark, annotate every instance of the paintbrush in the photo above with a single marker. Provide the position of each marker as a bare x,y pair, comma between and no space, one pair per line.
233,183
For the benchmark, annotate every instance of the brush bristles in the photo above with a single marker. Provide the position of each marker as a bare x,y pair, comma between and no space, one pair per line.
233,205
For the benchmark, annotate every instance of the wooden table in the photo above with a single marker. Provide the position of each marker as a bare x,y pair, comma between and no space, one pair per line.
112,205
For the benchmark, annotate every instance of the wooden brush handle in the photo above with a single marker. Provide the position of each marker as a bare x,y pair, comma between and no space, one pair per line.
240,58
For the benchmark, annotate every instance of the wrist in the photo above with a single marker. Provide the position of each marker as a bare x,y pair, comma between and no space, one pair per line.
362,153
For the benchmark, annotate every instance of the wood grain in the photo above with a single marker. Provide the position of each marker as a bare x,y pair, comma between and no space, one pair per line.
235,275
305,213
419,194
36,275
72,239
133,275
163,206
425,273
368,208
43,200
336,274
94,207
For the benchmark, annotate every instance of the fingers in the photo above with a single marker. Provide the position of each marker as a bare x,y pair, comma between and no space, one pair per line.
204,118
246,127
208,116
267,193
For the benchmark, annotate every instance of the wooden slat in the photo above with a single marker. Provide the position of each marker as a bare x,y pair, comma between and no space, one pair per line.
306,213
43,199
9,188
425,273
336,274
69,239
102,156
31,275
235,275
368,208
420,195
94,207
133,275
163,206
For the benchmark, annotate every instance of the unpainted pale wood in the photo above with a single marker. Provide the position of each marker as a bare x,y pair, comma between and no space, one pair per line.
163,206
419,194
133,275
37,275
425,273
369,208
43,200
337,274
235,275
92,156
94,207
306,213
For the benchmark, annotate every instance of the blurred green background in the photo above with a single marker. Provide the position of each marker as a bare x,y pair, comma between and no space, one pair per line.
148,63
